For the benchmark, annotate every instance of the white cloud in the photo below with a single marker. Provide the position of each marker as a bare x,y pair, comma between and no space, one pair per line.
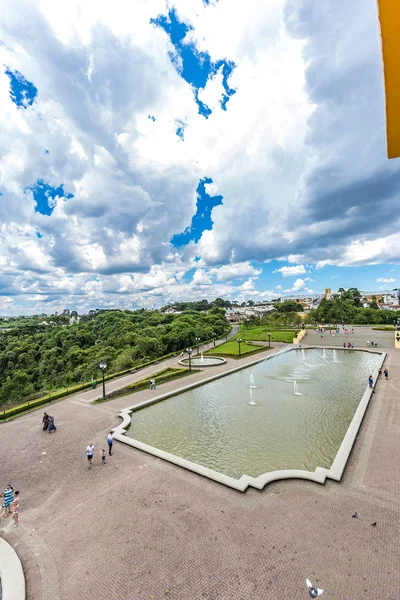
294,186
200,277
385,280
234,271
299,285
291,271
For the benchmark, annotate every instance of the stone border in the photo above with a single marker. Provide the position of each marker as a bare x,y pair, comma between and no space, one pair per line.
221,361
11,573
319,475
301,335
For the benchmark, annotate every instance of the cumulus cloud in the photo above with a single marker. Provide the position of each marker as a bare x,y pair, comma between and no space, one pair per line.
291,271
299,285
385,280
298,155
234,271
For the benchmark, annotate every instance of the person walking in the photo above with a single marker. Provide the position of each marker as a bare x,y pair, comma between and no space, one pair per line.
8,499
15,509
45,421
380,373
103,457
370,381
152,384
89,454
51,426
386,374
110,443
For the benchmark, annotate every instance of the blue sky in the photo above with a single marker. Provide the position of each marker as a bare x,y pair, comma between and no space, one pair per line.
237,156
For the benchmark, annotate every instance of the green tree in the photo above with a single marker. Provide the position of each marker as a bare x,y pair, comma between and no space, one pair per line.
289,306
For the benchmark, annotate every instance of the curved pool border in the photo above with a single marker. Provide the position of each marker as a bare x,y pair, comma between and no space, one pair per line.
319,475
11,573
197,362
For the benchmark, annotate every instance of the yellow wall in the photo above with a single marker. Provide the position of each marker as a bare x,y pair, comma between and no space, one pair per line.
389,17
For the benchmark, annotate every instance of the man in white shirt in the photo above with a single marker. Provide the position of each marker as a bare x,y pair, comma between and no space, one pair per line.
110,442
89,454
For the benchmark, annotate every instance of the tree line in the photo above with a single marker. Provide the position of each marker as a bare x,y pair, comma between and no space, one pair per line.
36,358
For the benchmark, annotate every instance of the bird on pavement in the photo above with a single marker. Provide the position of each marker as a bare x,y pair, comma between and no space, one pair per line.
312,590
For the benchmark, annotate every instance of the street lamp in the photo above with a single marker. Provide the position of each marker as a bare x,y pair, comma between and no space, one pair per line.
189,351
103,367
197,342
269,340
239,341
214,337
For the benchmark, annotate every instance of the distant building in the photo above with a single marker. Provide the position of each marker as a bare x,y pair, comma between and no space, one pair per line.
308,301
382,297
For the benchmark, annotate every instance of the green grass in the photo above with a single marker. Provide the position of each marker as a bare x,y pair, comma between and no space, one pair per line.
259,334
168,374
384,328
231,348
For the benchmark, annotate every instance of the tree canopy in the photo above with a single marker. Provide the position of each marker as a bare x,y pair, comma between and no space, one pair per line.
35,357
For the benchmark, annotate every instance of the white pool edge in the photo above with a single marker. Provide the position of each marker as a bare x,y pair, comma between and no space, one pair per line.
11,573
319,475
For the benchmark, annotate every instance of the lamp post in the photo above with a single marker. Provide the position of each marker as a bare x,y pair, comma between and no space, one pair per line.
269,340
189,351
197,341
239,341
103,367
214,338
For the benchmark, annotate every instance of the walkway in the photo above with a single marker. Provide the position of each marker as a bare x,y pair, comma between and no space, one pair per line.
142,528
384,339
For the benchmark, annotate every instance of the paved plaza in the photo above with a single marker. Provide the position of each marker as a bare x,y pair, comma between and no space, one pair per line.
142,528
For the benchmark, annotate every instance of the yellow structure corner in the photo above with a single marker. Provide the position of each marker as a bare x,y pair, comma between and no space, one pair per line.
389,17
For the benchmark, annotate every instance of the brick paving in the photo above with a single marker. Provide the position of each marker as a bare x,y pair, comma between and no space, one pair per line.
142,528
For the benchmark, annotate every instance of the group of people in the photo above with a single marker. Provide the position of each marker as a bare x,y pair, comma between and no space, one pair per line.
371,343
10,503
348,345
90,451
48,423
371,380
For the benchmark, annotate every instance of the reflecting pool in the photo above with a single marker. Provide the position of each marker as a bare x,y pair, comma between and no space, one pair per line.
287,412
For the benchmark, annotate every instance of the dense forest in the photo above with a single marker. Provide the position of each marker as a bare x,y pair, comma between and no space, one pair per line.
35,356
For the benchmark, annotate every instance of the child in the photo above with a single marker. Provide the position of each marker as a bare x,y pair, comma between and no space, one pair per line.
15,509
103,457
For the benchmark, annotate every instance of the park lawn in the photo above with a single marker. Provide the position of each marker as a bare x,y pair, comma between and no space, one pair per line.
231,348
259,334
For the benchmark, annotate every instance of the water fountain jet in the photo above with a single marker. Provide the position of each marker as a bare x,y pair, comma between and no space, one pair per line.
252,403
296,389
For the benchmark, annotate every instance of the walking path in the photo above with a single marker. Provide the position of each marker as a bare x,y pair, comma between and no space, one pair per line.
142,528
